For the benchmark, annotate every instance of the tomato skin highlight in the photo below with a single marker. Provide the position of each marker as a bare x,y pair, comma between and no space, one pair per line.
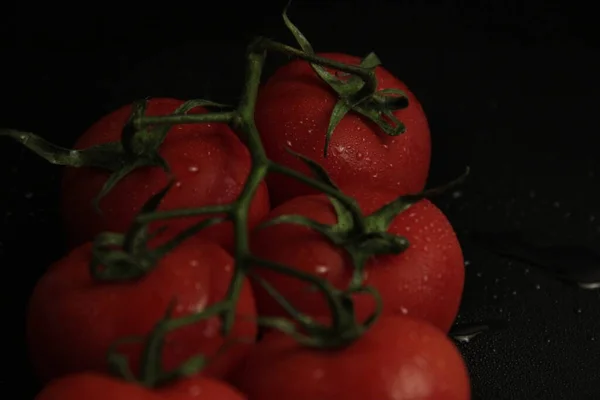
73,320
293,111
425,281
400,358
93,386
209,162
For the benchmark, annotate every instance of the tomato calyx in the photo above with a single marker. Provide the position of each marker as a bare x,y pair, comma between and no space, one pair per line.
137,148
123,257
362,236
356,93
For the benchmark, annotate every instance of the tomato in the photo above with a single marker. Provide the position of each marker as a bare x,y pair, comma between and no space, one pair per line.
73,320
293,111
425,281
209,161
93,386
399,358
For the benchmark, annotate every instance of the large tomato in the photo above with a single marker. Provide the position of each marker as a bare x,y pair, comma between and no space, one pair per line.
399,358
425,281
209,162
72,320
92,386
293,111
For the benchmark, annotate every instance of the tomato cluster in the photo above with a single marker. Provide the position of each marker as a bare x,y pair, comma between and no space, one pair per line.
344,286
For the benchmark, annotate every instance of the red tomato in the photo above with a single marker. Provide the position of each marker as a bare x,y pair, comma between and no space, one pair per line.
92,386
425,281
73,320
399,358
209,162
293,111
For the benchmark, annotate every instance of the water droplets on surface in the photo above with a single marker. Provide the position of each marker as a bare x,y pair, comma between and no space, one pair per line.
404,310
456,194
538,286
193,168
479,274
589,285
467,262
288,143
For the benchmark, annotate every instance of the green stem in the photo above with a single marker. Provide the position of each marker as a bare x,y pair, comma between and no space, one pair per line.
183,212
226,117
347,201
339,317
367,75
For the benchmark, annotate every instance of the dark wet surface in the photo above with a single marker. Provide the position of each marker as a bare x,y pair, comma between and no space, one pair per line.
523,116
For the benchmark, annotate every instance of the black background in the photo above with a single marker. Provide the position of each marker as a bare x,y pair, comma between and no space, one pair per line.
509,89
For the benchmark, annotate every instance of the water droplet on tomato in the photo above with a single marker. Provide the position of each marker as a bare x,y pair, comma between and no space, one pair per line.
339,149
194,263
178,184
375,175
359,156
404,310
195,391
212,328
289,143
321,269
425,278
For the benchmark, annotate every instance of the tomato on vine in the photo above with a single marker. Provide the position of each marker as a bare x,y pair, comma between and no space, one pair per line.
115,168
73,318
398,358
293,111
424,281
209,161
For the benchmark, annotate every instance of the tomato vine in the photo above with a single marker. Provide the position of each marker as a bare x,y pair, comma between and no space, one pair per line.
127,256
